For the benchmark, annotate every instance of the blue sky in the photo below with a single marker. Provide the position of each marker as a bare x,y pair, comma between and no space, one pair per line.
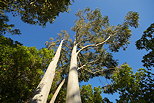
116,10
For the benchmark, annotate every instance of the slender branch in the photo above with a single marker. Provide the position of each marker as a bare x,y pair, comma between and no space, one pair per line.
79,60
97,71
87,63
92,45
103,41
83,59
57,91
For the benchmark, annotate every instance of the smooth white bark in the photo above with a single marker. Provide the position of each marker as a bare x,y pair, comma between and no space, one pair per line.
43,89
73,90
57,91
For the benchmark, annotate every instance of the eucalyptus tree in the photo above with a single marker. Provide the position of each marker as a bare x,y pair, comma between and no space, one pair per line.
93,37
43,89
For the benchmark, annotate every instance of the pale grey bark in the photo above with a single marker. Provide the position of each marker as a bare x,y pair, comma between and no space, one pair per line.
73,90
43,89
57,91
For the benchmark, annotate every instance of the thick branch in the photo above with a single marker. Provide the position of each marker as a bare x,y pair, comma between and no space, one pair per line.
92,45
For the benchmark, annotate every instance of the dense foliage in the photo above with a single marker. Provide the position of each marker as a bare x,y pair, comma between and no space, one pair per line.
132,87
91,95
147,42
21,69
32,12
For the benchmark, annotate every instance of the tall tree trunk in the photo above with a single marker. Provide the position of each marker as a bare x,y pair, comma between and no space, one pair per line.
43,89
73,90
57,91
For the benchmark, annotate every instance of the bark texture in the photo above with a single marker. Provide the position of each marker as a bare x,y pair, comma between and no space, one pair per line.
43,89
73,90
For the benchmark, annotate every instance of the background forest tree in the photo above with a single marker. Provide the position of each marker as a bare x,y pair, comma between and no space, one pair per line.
132,87
33,12
21,69
147,42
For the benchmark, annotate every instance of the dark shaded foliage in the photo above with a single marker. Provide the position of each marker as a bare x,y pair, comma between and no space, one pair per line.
33,12
147,42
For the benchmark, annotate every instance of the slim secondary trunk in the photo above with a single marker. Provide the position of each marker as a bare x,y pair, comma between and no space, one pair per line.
57,91
43,89
73,90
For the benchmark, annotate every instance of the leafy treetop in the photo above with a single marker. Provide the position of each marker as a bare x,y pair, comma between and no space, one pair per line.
93,35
